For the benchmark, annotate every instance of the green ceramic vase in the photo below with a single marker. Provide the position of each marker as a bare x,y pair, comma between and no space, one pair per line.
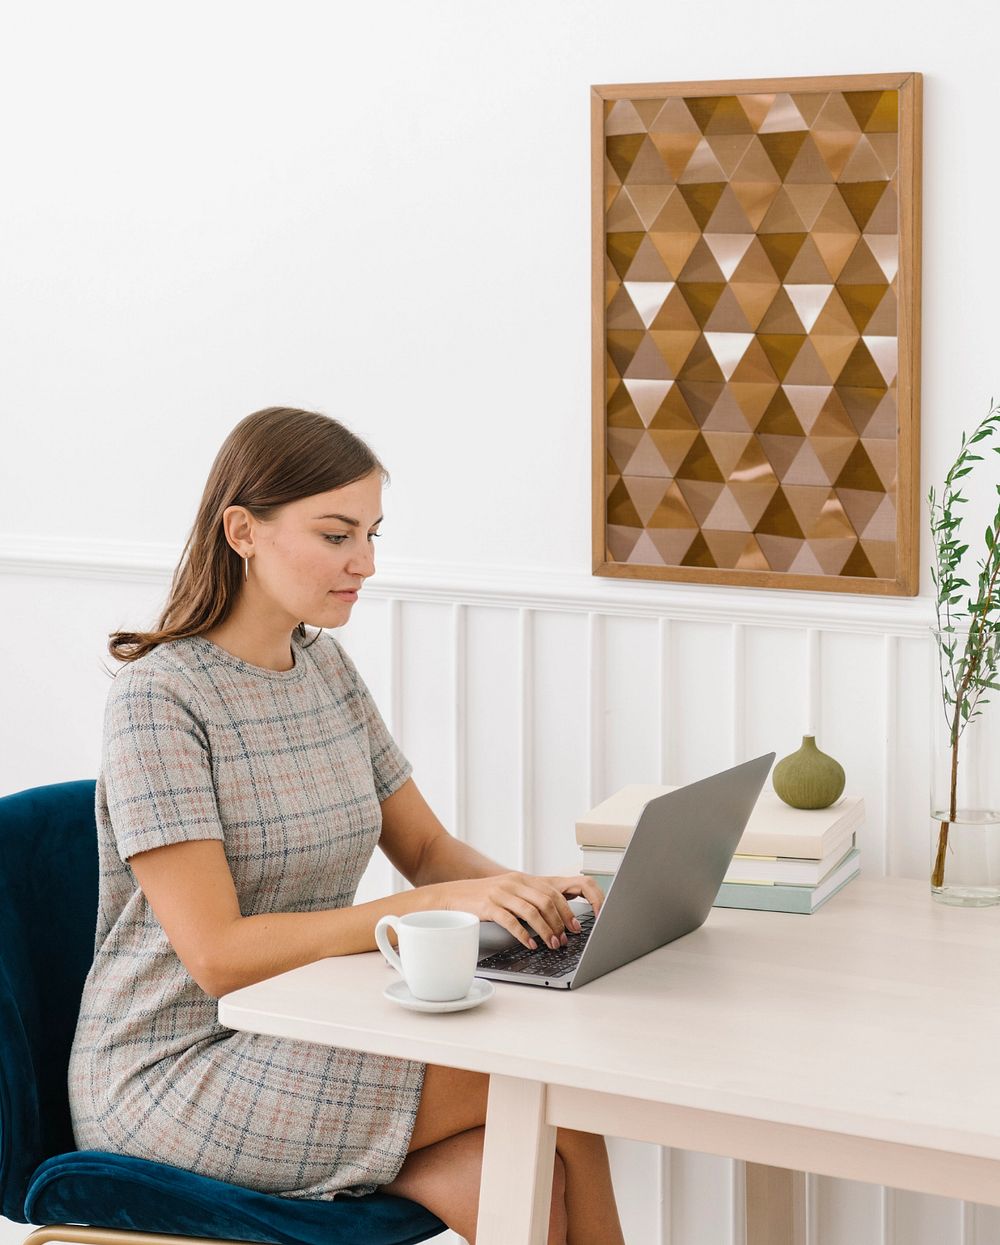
808,778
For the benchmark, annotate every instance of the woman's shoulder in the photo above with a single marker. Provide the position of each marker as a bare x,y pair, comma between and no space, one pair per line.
169,668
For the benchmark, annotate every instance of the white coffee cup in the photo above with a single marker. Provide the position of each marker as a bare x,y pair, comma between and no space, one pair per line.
437,952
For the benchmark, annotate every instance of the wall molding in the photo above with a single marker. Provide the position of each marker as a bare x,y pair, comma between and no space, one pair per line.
509,587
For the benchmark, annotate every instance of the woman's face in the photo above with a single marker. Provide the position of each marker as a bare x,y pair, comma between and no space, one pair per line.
313,556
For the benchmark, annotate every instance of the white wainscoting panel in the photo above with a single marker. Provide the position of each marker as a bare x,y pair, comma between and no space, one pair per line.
523,699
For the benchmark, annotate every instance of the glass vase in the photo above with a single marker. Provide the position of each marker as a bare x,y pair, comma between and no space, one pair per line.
965,792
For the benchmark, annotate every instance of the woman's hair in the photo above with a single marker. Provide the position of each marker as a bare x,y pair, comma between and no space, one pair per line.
270,458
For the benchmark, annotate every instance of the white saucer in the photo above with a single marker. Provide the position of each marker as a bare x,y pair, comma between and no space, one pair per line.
399,993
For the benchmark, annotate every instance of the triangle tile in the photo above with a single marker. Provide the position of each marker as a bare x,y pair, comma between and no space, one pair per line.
862,104
699,464
701,297
648,110
621,314
807,502
754,298
728,117
859,473
674,117
610,481
835,250
646,494
808,300
701,265
885,118
862,268
727,315
727,448
752,558
805,468
621,150
729,216
754,397
675,215
882,556
831,524
675,314
754,497
621,445
647,366
782,216
612,184
809,168
622,345
808,201
781,316
621,409
699,554
675,150
783,116
701,107
753,468
647,395
835,320
862,198
860,371
860,505
701,364
835,115
782,148
621,249
756,108
703,166
648,297
701,496
702,198
805,562
881,525
833,453
781,249
780,419
886,148
755,198
646,461
809,104
808,368
755,266
780,551
728,349
647,168
701,396
857,565
882,424
834,351
648,202
807,402
885,248
781,349
781,452
835,216
621,541
728,249
863,165
885,218
727,415
622,118
729,150
647,264
835,147
808,267
675,344
645,553
726,546
673,415
621,216
675,248
755,368
832,554
673,446
882,455
672,543
861,405
755,167
673,511
621,510
884,350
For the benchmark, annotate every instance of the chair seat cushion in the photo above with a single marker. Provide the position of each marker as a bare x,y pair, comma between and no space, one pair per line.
116,1191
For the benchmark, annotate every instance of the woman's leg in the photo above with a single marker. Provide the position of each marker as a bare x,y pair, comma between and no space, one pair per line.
453,1103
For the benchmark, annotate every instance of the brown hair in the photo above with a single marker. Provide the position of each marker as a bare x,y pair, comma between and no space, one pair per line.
272,457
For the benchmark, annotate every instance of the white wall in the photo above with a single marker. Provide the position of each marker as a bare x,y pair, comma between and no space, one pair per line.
382,211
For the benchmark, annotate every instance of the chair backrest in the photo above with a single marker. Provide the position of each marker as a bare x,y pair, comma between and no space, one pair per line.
48,918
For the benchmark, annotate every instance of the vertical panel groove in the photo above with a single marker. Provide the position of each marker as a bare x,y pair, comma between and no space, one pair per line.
812,1211
814,707
459,713
664,1180
891,659
595,715
968,1234
739,693
665,681
395,700
888,1216
738,1201
525,774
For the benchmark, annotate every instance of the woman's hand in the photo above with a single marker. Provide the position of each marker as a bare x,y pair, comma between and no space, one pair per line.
509,898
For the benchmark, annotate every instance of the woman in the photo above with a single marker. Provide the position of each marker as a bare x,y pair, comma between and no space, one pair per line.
246,778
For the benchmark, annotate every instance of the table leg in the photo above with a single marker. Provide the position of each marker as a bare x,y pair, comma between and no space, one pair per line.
775,1205
519,1151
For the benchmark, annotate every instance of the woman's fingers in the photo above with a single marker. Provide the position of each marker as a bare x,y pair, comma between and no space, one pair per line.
582,885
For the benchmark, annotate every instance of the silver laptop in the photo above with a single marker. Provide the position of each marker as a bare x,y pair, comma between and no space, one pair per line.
665,886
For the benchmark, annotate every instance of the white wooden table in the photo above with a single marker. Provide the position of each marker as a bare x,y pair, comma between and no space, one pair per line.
862,1041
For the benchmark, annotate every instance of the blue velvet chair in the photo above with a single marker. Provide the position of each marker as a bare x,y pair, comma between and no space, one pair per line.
48,914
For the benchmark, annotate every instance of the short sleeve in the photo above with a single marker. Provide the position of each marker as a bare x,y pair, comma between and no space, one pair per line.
156,764
389,766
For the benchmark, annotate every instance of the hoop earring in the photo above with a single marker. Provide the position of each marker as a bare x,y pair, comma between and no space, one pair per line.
246,568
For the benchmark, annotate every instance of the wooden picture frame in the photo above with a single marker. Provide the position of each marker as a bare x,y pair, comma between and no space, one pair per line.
752,331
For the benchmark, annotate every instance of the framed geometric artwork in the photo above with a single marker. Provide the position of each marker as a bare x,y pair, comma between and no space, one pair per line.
756,320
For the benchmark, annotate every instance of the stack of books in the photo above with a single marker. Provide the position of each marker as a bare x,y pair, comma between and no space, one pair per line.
788,860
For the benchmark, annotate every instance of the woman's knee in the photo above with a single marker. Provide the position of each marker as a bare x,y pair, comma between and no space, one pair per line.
452,1101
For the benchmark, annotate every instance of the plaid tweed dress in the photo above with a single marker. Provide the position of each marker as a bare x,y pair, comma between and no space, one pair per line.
286,769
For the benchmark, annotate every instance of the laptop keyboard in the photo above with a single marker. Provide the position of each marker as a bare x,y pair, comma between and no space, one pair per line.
543,961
